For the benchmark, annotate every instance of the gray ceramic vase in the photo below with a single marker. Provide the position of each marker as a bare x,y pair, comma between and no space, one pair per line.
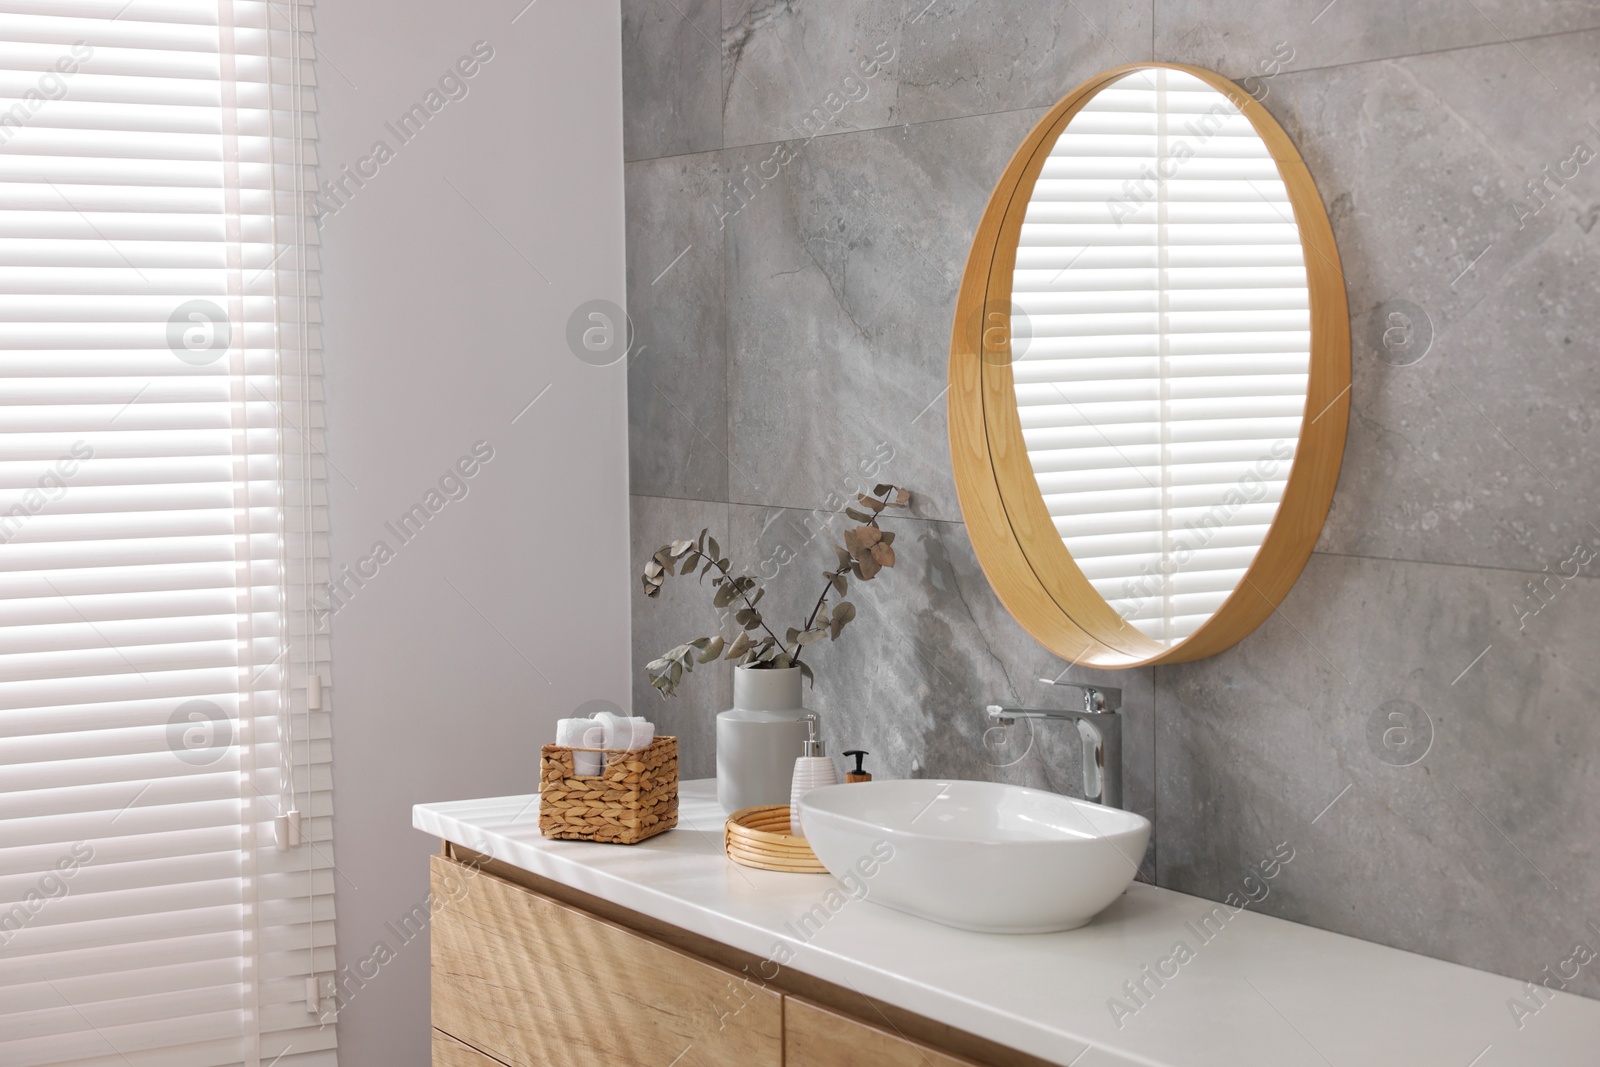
759,738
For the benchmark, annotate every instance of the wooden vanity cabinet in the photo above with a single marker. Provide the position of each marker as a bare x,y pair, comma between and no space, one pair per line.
535,983
448,1052
817,1037
528,973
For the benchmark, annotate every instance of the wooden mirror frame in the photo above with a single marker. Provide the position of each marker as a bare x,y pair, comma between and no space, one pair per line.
1012,532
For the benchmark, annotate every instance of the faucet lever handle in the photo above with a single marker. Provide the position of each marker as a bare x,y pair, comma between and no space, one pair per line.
1097,699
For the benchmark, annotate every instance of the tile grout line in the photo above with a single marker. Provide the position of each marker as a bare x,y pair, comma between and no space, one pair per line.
1448,563
725,237
962,522
725,147
783,507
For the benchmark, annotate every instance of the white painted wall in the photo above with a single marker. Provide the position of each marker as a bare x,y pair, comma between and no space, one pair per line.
443,319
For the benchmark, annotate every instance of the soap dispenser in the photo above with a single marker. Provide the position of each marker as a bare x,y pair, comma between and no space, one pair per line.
813,769
857,775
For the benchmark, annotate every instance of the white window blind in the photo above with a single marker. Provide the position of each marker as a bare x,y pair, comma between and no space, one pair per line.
1161,337
161,527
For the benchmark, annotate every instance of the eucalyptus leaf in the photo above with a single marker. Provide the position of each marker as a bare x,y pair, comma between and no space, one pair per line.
871,503
859,516
840,586
860,539
805,672
714,550
841,617
811,637
883,554
712,650
676,673
882,489
725,595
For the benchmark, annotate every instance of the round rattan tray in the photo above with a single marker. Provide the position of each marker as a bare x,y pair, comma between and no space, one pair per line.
759,837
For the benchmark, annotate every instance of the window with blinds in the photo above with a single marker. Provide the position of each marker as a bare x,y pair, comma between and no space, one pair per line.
161,528
1161,345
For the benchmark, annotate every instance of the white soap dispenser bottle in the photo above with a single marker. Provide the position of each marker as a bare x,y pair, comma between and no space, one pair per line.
813,769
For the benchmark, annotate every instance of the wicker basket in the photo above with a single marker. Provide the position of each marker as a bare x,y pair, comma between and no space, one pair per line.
635,798
760,837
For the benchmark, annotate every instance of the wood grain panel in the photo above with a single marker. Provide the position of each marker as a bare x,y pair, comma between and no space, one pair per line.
847,1001
536,983
448,1052
817,1037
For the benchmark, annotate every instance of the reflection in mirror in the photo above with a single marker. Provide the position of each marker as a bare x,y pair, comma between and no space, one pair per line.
1163,377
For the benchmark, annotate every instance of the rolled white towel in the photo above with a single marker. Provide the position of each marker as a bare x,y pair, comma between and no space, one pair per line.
637,733
569,732
626,732
590,763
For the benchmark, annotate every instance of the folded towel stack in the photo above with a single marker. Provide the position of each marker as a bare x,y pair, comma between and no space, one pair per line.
606,730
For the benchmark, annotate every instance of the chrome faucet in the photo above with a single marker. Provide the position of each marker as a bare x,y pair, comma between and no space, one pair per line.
1100,727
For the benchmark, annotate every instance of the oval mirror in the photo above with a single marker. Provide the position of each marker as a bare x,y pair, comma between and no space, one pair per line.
1149,370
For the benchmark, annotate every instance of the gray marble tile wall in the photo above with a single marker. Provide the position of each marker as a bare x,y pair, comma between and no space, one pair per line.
1421,719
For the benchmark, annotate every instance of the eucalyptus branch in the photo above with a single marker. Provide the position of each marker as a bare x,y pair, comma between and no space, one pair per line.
746,598
883,492
823,598
866,551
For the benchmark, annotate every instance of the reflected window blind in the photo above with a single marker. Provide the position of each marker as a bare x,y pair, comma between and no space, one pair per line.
162,523
1161,344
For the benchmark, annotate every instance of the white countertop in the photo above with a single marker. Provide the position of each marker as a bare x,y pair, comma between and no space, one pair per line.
1260,991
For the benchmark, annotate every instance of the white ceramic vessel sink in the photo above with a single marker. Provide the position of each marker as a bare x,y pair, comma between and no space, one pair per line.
976,855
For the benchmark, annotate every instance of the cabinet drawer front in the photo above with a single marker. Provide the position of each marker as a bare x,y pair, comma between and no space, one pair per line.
817,1037
448,1052
538,984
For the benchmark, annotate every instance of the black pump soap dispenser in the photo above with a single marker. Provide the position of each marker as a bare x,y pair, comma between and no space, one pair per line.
857,775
